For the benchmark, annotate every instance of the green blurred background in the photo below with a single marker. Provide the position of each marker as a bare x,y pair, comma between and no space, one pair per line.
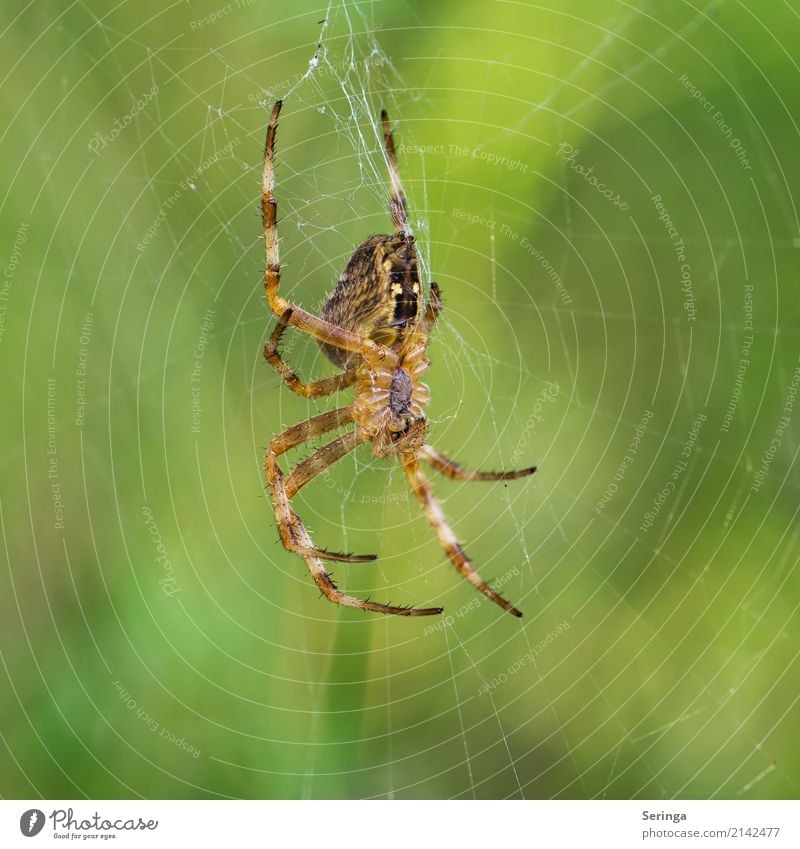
158,641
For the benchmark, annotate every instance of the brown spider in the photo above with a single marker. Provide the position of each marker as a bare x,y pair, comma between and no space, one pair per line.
374,327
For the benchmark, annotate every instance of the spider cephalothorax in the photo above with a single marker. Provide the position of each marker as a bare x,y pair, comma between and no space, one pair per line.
375,327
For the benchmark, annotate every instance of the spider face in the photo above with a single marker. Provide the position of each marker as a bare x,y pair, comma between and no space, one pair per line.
375,327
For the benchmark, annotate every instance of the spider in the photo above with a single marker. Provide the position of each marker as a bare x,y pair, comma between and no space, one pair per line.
374,327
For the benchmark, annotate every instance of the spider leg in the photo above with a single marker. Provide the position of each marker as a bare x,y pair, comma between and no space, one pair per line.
321,330
433,307
294,534
291,438
315,426
453,470
322,459
398,205
308,390
424,493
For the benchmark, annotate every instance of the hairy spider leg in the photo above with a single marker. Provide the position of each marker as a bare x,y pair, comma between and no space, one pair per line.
399,210
322,459
316,389
433,307
293,533
306,322
315,426
290,438
447,538
398,206
454,470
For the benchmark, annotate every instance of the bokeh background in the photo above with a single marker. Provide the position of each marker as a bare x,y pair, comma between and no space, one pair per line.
605,193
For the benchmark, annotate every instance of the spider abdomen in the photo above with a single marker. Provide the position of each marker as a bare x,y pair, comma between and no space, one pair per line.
376,296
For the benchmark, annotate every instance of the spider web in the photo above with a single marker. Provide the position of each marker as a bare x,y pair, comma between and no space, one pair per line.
656,655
